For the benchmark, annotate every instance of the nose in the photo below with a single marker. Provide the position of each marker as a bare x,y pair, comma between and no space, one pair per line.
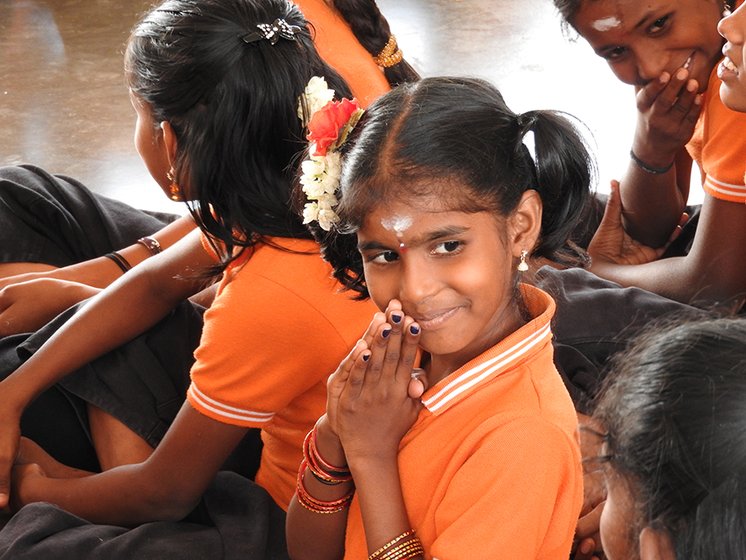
419,281
651,64
730,26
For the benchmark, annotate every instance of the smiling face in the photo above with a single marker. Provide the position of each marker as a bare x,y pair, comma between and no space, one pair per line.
451,270
732,71
642,39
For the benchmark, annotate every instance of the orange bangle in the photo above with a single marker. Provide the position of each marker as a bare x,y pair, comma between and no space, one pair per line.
319,506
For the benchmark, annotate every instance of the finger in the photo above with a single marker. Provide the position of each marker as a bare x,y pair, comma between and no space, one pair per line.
647,95
590,523
375,357
612,217
375,323
674,89
409,347
356,377
685,101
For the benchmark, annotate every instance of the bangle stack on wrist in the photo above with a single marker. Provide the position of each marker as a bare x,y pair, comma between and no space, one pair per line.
649,168
325,473
405,546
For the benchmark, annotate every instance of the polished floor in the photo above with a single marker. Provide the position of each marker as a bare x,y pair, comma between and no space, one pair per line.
64,106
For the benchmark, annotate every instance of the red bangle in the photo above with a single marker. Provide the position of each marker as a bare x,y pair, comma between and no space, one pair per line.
320,469
319,506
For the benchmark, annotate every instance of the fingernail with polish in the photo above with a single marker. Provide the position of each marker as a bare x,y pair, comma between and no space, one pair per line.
396,318
414,329
386,333
366,357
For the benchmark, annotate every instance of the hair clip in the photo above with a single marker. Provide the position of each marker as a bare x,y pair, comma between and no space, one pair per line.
278,29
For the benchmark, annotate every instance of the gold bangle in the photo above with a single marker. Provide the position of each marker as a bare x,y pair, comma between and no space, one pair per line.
389,544
390,55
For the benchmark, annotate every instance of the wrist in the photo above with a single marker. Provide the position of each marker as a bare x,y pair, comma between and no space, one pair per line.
328,443
648,166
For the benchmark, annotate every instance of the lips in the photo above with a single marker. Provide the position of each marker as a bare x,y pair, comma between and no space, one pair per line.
726,68
435,319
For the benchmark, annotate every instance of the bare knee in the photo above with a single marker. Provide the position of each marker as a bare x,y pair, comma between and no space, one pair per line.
115,443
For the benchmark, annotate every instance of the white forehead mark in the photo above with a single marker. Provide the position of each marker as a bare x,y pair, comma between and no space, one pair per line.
606,23
397,224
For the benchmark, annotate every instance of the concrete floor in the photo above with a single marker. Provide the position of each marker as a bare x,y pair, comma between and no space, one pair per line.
64,106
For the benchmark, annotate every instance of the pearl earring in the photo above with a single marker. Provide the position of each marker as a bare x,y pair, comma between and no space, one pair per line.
523,265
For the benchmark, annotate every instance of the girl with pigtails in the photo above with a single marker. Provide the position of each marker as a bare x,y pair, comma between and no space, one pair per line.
448,432
220,89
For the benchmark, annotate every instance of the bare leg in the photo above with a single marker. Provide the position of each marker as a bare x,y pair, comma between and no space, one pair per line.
12,269
115,443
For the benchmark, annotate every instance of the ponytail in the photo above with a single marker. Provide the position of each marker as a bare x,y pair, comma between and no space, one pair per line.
373,32
564,170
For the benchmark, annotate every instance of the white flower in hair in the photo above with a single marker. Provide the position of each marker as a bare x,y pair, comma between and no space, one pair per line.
329,124
316,95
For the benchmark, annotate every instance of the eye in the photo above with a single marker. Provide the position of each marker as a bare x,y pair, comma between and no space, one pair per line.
658,25
384,257
447,247
614,53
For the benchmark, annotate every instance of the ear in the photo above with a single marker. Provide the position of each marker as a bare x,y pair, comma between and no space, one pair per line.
656,545
524,224
169,141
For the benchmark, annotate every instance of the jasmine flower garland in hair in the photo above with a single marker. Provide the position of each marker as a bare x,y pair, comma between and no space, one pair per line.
328,127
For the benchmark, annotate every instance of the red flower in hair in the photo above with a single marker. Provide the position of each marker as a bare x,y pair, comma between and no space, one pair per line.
330,125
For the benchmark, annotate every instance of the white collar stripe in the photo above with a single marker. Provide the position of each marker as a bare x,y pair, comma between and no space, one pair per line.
228,411
479,373
716,185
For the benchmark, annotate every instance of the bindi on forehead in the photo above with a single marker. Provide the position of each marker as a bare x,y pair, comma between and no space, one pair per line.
399,224
607,23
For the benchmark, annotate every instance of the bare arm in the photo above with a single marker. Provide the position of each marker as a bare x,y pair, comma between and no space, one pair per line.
668,109
125,309
712,272
370,410
29,301
166,487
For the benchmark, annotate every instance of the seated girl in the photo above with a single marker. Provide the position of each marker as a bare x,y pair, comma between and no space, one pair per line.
441,204
60,243
218,88
670,53
675,449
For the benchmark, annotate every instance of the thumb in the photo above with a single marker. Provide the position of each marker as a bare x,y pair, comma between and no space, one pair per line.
418,384
613,212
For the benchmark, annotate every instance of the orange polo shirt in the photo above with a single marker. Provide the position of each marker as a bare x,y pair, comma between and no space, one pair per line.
341,50
491,468
718,145
278,327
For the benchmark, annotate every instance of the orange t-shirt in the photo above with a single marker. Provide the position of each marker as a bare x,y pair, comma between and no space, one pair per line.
492,468
718,145
278,327
341,50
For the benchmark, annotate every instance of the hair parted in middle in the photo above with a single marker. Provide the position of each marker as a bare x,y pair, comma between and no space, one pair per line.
449,133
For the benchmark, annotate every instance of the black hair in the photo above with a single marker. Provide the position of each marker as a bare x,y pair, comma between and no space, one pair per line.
674,407
569,9
233,107
373,32
459,130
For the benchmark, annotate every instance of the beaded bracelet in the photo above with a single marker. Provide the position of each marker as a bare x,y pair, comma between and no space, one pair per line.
649,168
319,506
151,244
119,260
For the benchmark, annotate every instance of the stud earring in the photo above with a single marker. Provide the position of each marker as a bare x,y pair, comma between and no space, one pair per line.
174,190
523,265
726,8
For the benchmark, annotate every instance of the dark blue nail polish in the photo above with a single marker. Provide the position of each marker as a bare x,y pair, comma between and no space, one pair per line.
386,333
366,357
414,329
396,318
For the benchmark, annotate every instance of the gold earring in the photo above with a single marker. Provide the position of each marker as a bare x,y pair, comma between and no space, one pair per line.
523,265
174,189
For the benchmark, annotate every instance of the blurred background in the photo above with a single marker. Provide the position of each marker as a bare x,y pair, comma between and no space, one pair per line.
64,105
